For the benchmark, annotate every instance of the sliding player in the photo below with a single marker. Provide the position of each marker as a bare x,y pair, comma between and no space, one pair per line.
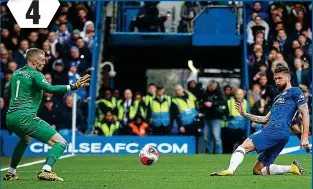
270,141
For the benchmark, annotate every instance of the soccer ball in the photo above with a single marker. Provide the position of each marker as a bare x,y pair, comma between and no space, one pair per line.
148,155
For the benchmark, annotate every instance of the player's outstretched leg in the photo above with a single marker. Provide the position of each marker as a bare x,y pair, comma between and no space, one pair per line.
273,169
16,158
237,158
58,145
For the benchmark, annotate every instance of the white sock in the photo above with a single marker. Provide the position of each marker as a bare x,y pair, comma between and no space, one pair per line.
237,158
275,169
46,167
11,170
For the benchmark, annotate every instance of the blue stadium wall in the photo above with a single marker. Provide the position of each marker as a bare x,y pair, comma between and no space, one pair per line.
216,26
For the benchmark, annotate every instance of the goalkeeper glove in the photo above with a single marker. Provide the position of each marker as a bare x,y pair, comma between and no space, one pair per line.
81,82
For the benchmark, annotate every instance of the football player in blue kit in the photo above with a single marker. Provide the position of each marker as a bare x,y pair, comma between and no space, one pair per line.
271,140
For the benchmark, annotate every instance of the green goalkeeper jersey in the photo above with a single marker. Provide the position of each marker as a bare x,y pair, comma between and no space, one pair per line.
26,89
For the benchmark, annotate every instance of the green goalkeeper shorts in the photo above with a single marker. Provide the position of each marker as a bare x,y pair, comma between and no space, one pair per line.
28,124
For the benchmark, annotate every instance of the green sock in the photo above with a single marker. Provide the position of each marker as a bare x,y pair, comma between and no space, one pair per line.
53,155
18,153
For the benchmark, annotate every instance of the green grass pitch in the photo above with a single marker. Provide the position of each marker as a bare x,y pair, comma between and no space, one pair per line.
171,171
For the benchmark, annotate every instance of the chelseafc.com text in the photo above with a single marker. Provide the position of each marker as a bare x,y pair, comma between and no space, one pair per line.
108,148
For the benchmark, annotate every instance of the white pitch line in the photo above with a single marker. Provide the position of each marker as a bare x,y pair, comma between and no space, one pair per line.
37,162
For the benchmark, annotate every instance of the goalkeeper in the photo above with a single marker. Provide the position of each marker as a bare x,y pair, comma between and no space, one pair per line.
25,93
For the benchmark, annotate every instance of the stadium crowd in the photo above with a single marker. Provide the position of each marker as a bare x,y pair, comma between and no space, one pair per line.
277,33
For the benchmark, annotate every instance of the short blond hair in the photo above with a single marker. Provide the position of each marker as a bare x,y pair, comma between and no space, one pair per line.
33,53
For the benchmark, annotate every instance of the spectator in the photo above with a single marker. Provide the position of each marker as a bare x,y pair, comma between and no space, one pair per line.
8,76
5,59
53,41
88,34
79,61
12,66
297,31
107,126
6,38
73,77
139,127
83,50
299,53
255,94
257,9
19,56
17,34
228,92
83,17
301,77
75,36
256,60
304,42
188,12
255,26
33,39
48,56
159,113
148,19
6,18
62,19
72,74
261,71
214,109
60,77
64,115
284,45
48,113
63,35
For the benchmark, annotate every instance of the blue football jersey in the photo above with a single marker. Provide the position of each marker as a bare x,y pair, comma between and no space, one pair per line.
284,108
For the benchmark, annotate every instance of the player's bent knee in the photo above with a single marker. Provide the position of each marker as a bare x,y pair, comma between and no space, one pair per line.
248,145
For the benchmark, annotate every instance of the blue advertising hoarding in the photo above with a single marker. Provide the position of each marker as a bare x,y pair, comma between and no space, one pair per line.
98,145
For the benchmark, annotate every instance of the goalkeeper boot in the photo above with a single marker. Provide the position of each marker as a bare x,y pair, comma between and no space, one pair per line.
11,176
296,168
223,173
49,176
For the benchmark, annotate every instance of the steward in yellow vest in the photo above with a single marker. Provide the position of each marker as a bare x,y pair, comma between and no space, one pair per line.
236,121
159,113
185,111
151,94
107,127
105,103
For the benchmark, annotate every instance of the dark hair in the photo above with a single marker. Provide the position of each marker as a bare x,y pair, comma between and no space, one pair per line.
151,84
281,69
275,49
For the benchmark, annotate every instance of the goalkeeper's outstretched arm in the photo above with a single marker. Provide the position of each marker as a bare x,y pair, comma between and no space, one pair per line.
41,82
